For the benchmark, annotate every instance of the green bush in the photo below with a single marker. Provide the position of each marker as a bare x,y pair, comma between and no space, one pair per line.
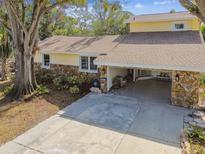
116,81
83,77
42,90
7,90
57,82
44,76
60,82
196,133
12,78
74,90
203,95
203,30
64,81
73,80
202,80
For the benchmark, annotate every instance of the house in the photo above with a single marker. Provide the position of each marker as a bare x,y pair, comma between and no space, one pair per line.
167,45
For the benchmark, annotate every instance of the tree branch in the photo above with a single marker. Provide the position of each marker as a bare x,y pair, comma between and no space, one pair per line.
63,2
15,12
197,9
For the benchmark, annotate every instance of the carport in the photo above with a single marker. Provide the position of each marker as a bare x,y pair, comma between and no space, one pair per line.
179,62
146,84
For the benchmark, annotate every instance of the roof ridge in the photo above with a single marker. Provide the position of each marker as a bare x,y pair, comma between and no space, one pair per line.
162,13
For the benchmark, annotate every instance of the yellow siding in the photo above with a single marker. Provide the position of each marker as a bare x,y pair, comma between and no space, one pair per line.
195,24
162,26
61,59
64,59
38,58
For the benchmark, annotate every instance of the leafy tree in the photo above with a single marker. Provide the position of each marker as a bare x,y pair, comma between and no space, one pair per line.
79,21
24,18
203,30
57,22
84,20
5,46
109,18
5,52
196,7
45,30
172,11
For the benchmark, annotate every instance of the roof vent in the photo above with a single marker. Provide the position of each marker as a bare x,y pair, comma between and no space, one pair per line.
103,54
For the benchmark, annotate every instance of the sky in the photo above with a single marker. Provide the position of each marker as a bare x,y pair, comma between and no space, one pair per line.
138,7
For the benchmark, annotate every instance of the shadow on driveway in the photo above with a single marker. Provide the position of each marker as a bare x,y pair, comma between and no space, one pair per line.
105,124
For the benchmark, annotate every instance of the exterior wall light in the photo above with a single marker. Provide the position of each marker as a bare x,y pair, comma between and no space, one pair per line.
177,77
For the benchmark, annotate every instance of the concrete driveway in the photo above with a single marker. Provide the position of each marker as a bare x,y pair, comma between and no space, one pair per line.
105,124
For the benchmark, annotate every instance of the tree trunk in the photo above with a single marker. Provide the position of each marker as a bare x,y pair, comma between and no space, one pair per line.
25,83
4,69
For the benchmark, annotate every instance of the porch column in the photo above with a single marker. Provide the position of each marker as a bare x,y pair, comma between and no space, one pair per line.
185,88
103,79
134,75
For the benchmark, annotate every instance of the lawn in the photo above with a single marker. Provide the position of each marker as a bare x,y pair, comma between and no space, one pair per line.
18,116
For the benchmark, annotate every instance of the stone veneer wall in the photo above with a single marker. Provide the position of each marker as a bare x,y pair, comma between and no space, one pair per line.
65,69
103,78
185,88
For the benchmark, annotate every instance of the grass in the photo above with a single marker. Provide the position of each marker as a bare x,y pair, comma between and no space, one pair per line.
16,117
196,138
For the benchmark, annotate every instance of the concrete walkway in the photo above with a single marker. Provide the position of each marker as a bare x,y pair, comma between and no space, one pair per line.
104,124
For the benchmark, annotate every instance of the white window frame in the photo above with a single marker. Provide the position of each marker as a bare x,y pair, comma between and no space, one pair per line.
174,28
87,70
43,65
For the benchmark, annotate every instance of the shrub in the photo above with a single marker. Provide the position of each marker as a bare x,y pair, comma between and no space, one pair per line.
202,80
42,90
44,76
83,78
116,81
85,82
57,82
7,90
203,95
60,82
203,30
196,133
12,78
74,90
73,80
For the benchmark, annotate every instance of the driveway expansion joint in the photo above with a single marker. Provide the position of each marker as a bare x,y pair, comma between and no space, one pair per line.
27,147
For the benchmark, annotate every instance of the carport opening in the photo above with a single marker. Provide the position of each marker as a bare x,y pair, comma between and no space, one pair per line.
143,84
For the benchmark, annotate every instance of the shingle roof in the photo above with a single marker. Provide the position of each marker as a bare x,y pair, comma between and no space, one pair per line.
104,44
65,44
172,57
162,17
159,50
180,37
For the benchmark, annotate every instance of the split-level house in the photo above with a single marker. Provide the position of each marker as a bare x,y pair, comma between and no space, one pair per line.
167,45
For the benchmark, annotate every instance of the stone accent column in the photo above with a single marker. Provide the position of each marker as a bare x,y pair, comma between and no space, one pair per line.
185,88
103,78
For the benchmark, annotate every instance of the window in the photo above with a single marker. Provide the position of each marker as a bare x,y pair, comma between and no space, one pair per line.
179,26
46,60
87,64
92,65
84,63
